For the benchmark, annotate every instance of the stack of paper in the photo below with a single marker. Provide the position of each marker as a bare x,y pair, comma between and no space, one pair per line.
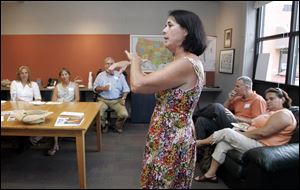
50,103
37,103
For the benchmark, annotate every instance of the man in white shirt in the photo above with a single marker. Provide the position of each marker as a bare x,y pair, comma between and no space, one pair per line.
112,90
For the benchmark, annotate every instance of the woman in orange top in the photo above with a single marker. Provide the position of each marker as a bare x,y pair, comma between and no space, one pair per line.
270,129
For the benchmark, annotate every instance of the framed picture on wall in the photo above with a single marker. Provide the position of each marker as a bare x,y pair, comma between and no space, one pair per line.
226,61
227,38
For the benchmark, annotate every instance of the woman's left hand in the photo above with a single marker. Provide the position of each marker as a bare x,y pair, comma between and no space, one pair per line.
134,57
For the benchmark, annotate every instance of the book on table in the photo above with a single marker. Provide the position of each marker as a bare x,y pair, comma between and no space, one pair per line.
69,119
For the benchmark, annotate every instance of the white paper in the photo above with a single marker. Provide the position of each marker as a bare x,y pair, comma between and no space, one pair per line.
79,114
37,103
11,118
49,103
262,66
208,57
240,126
6,112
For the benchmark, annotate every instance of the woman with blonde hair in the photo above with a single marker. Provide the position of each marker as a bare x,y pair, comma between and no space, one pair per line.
23,88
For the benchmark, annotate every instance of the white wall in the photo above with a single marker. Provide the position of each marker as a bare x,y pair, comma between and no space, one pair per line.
98,17
240,16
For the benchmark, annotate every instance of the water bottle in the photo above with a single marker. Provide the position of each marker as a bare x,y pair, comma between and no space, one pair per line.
90,82
14,95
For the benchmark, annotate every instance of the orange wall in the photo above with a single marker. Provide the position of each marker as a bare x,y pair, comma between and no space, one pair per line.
47,54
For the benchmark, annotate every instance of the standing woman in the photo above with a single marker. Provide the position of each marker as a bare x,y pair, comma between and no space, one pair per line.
170,152
65,91
23,88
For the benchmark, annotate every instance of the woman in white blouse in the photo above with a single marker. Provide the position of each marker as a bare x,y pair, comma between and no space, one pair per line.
23,89
65,91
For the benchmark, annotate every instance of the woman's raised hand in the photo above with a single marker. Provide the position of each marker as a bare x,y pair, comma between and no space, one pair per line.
119,66
134,57
129,55
122,65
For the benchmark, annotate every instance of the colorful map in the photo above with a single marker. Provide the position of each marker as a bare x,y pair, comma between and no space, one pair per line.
152,49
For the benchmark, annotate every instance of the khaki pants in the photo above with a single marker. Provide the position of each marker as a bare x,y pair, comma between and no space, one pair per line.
228,139
120,110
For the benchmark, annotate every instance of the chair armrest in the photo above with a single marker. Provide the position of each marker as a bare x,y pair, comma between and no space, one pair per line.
274,158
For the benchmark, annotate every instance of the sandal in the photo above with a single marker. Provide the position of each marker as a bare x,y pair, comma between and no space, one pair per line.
52,151
203,178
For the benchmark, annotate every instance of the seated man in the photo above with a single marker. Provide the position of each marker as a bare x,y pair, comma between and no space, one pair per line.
273,128
112,90
242,105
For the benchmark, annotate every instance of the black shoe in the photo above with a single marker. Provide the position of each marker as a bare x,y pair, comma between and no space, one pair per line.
105,129
117,130
23,145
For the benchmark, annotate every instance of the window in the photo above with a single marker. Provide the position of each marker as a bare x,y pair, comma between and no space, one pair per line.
278,36
282,61
287,8
295,64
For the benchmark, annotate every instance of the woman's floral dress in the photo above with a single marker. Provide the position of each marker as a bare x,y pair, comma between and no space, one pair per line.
170,152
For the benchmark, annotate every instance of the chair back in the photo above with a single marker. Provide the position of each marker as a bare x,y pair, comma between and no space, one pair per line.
295,137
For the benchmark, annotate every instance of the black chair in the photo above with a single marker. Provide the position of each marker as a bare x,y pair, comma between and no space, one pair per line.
108,111
264,167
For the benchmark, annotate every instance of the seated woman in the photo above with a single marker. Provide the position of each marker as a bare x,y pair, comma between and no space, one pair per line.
23,89
270,129
65,91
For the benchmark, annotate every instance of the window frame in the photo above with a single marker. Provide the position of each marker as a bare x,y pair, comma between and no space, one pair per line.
290,72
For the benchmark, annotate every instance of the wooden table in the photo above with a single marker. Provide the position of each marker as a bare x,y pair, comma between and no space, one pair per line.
91,113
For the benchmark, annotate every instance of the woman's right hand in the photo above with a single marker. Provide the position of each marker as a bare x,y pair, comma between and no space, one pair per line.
232,94
119,66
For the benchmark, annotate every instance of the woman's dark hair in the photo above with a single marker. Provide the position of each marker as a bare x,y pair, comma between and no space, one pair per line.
281,94
195,41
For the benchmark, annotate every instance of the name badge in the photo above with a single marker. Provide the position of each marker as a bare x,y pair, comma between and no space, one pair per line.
246,106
